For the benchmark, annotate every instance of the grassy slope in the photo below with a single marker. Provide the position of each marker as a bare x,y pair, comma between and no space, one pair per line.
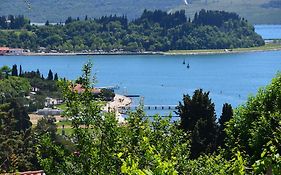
57,11
250,9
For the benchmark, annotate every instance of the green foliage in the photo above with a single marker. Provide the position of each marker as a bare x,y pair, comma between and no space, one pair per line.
4,72
46,125
227,114
13,22
270,161
214,18
16,139
14,70
255,127
153,31
101,145
198,117
50,75
56,78
13,87
208,165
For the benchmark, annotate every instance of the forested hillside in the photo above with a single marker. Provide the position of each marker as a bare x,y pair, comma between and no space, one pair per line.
256,11
153,31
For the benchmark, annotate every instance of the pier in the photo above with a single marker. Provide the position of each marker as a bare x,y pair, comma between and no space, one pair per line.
132,96
151,107
116,87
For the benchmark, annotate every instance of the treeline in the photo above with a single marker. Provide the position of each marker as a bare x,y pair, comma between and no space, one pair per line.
16,84
153,31
13,22
214,18
26,74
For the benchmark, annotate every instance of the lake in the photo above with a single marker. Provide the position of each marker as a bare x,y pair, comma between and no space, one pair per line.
269,31
162,80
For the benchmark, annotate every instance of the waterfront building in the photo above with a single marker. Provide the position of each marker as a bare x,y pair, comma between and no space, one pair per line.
4,50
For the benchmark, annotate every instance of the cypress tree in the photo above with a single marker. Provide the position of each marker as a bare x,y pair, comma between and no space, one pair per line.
56,78
47,23
20,74
14,70
38,73
50,75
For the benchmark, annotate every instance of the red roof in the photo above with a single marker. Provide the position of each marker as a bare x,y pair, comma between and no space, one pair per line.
79,89
40,172
4,48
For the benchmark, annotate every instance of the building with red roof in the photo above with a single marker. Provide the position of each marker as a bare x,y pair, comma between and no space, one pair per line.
4,50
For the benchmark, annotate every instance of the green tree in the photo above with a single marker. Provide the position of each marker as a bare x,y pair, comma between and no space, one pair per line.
14,70
14,87
47,23
50,75
16,139
198,117
56,78
110,148
21,72
4,72
227,114
255,128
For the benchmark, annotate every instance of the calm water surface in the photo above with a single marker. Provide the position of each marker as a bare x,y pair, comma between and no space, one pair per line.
269,31
164,79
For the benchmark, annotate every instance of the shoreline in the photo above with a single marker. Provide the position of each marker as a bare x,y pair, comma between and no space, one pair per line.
118,102
265,48
89,54
213,52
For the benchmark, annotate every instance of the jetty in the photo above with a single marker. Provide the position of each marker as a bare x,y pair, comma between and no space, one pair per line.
150,107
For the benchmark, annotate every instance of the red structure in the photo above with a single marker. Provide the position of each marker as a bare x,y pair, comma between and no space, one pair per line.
4,50
40,172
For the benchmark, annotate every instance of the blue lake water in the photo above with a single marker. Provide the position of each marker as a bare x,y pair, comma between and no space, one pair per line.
269,31
162,80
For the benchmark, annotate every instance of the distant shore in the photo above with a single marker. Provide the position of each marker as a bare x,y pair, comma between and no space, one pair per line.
92,53
267,47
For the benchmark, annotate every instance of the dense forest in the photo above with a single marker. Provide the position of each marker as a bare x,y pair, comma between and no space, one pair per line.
243,141
153,31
